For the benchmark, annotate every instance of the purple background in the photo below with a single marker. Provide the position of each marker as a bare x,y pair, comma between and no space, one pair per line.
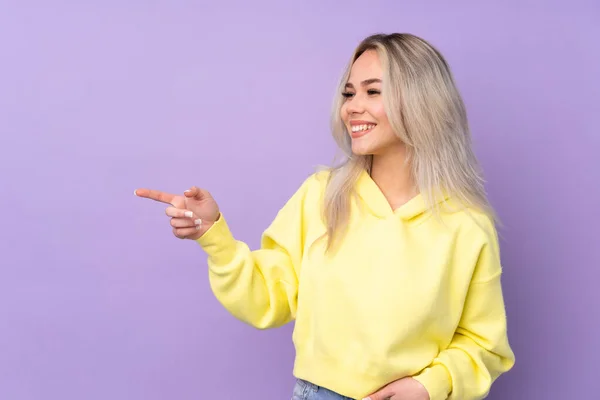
99,301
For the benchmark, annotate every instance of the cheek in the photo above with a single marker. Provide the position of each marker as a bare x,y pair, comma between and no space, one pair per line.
378,111
344,112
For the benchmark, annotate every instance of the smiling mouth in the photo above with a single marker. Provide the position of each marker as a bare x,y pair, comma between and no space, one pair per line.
361,130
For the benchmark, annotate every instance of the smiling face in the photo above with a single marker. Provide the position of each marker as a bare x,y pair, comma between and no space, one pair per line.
363,110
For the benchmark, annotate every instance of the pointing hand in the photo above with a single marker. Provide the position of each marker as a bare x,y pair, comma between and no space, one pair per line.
192,214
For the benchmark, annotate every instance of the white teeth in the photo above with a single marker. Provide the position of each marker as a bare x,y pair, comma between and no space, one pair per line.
358,128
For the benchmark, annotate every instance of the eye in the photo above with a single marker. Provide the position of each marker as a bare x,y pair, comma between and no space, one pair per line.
347,94
373,92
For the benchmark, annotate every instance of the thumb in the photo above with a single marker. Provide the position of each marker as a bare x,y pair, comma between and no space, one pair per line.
195,193
382,394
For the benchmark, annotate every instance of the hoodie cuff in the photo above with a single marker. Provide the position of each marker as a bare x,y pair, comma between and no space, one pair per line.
218,242
436,380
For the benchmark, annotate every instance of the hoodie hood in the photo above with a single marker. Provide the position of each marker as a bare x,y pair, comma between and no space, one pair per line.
373,198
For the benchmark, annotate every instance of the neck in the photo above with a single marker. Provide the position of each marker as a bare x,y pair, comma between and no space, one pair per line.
391,173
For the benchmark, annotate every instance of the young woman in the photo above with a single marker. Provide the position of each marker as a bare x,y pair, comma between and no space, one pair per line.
389,263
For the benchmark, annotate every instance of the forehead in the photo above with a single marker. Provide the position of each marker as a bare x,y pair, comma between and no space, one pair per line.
367,66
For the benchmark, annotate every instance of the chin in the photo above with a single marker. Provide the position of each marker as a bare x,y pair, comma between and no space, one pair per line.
361,152
363,149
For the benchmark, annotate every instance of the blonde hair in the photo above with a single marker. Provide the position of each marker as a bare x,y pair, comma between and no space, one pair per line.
427,113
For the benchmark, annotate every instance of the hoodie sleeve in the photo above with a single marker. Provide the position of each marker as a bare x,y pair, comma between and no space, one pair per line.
259,287
479,351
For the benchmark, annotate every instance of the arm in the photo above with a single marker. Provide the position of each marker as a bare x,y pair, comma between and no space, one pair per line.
479,351
258,287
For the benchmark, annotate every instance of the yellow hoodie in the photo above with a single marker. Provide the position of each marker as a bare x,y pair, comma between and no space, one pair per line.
403,295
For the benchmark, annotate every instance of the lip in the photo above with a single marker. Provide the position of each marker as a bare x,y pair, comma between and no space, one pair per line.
356,135
355,122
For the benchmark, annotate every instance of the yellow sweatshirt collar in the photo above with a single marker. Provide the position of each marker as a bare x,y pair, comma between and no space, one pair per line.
374,199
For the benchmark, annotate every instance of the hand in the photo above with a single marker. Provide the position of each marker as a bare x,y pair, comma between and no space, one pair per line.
402,389
191,214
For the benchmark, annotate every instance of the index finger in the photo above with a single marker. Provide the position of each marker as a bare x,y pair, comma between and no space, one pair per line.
156,195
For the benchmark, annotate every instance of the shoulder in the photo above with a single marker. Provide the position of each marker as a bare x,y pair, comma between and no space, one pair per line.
315,184
318,178
477,235
477,225
472,228
307,195
303,206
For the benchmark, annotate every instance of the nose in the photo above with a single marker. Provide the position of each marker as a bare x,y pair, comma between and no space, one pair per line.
355,105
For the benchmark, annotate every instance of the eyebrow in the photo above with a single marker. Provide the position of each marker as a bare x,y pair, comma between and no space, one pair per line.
364,83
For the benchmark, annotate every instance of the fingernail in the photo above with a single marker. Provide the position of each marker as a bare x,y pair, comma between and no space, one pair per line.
189,214
187,191
135,192
198,221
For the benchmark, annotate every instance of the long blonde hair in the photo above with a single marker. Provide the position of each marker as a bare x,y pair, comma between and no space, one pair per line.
427,113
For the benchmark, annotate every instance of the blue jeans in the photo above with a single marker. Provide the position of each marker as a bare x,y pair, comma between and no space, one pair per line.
304,390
